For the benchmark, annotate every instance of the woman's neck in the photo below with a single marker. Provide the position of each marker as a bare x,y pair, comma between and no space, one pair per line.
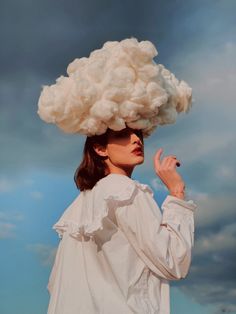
125,171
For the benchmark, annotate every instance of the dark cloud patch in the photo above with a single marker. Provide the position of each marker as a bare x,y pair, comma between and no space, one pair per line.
28,142
47,35
212,275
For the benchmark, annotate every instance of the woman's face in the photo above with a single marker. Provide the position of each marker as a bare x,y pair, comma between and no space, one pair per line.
125,150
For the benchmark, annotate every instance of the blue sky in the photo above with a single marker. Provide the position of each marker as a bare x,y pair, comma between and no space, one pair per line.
196,41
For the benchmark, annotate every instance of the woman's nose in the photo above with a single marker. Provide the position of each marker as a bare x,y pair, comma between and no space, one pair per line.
136,138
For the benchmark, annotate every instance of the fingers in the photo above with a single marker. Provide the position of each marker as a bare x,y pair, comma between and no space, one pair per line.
169,161
157,161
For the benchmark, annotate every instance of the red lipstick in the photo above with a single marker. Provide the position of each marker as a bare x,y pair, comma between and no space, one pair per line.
138,151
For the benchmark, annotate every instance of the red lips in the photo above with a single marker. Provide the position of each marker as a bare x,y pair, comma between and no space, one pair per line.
137,150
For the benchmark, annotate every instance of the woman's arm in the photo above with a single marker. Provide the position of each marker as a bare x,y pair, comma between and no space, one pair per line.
163,242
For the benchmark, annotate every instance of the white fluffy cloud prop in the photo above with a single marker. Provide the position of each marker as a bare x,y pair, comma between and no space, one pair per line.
118,85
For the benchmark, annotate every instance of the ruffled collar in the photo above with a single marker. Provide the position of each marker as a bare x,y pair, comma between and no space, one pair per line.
142,186
84,216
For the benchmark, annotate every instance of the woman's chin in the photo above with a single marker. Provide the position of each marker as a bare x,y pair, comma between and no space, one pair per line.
139,160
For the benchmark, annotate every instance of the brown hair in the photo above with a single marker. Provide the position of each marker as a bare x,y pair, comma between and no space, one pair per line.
93,167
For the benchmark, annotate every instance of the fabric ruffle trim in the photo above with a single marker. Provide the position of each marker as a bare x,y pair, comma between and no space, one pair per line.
76,230
83,229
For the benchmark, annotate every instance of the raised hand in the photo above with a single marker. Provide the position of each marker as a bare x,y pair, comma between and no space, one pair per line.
166,170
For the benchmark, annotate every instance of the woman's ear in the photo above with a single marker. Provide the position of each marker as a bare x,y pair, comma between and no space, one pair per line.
100,150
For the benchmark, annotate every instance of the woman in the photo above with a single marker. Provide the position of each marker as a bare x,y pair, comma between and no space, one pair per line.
118,251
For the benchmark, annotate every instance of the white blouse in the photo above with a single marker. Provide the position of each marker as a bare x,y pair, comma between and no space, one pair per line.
118,251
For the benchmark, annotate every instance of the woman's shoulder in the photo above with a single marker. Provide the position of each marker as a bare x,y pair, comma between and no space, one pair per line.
85,214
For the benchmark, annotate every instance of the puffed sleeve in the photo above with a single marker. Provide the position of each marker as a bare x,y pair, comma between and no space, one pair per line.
162,240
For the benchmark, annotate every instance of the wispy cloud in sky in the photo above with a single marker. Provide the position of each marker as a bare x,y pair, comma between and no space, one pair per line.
45,253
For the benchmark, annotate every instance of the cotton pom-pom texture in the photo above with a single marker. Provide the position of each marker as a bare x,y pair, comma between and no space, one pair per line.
117,86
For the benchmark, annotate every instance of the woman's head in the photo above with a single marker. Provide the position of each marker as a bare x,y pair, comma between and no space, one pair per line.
111,152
